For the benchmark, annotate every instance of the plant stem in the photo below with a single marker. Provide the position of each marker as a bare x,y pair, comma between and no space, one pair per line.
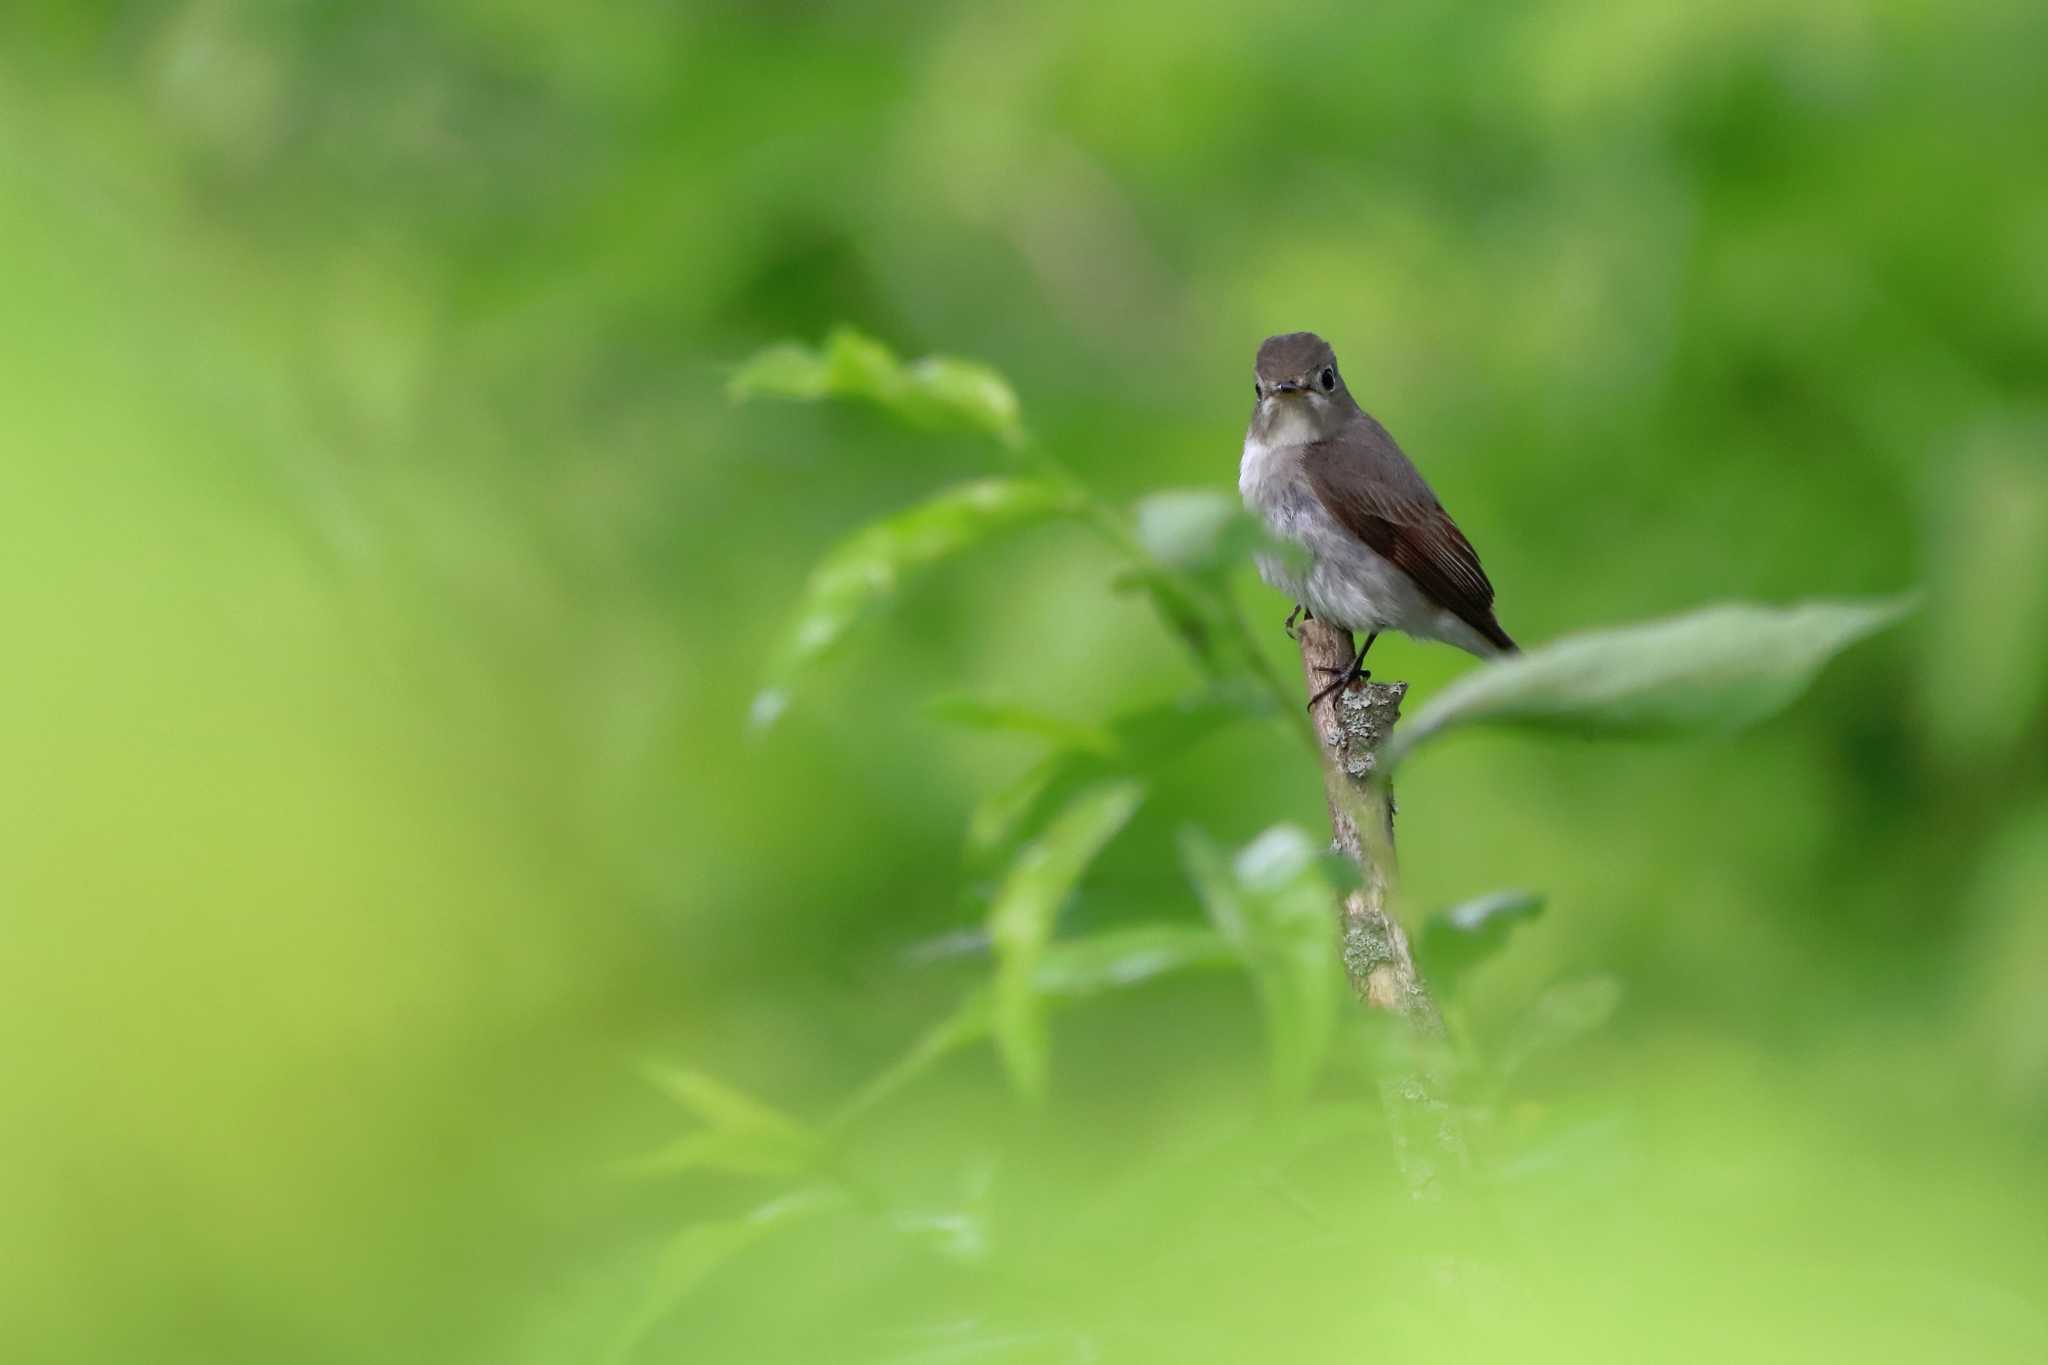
1352,723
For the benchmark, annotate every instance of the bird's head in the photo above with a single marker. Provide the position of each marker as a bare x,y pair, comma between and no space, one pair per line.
1300,394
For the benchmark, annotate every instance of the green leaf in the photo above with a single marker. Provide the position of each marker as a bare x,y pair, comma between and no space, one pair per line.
994,824
1021,921
1141,740
1076,968
971,713
1068,969
937,391
1718,669
1200,531
693,1254
726,1151
1278,861
1185,528
969,1023
741,1134
864,571
1216,885
1456,940
1561,1016
716,1102
1273,906
946,388
1191,540
787,370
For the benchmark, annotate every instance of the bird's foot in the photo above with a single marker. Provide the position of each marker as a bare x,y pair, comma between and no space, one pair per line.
1298,614
1340,678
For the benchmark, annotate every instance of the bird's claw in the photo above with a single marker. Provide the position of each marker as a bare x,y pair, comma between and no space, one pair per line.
1293,616
1343,679
1353,671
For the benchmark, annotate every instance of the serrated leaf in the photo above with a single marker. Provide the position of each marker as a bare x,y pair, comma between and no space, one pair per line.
973,713
690,1257
1717,669
1561,1016
1020,922
936,391
865,570
1456,940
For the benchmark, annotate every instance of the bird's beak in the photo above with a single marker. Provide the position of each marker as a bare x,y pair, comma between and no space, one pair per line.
1289,386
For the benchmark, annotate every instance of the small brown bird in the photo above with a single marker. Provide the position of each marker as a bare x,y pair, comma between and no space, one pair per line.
1382,552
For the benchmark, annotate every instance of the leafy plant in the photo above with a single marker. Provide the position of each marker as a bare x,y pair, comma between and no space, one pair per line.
1268,904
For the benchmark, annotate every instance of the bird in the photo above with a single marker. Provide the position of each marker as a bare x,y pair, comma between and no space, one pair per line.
1381,553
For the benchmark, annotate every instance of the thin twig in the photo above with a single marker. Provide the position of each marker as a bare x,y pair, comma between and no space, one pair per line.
1352,723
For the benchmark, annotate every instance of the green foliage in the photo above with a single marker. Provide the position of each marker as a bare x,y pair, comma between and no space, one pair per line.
392,572
864,571
935,391
1139,742
1985,673
1269,907
1562,1015
1713,670
1020,922
1189,528
1272,905
1067,970
1074,969
1456,940
741,1135
694,1252
1000,718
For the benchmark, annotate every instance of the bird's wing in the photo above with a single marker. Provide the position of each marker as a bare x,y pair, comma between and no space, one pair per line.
1370,487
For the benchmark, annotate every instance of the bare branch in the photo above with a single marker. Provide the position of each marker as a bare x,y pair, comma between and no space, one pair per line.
1353,722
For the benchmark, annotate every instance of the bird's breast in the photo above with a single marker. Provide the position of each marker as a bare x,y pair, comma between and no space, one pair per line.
1274,485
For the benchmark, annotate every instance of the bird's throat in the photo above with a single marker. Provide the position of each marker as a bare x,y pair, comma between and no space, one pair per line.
1288,422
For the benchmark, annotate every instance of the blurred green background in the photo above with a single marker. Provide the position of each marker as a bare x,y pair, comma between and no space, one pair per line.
387,577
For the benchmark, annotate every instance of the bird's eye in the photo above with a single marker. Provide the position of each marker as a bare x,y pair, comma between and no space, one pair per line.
1258,389
1329,379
